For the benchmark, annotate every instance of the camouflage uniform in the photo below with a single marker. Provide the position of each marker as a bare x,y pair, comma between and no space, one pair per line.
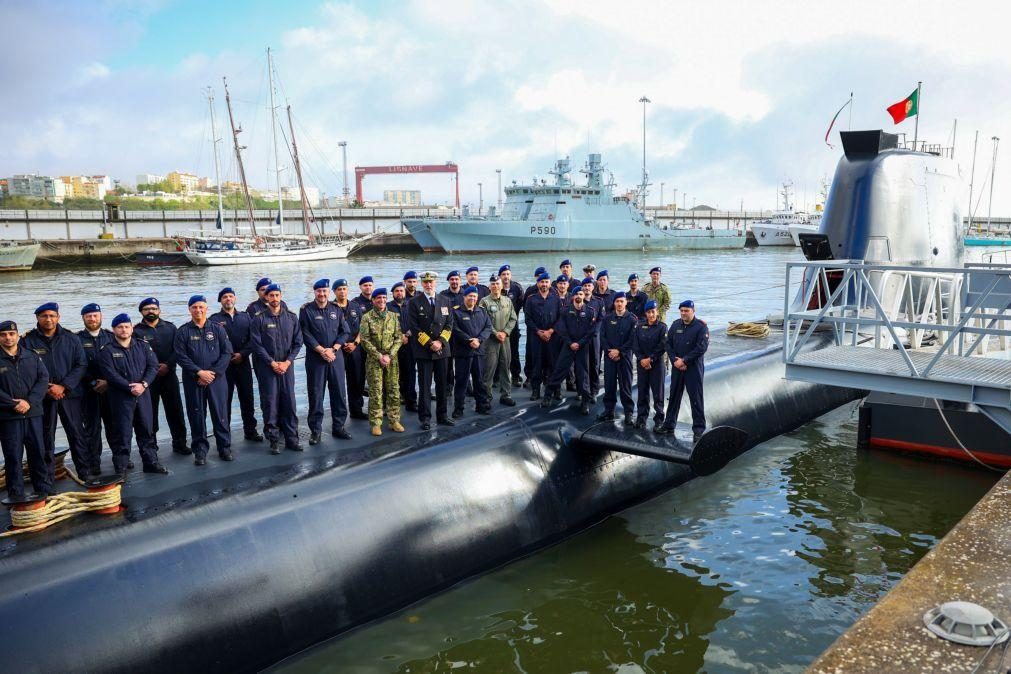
661,295
380,334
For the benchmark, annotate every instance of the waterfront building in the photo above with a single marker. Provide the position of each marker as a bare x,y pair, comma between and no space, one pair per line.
181,181
149,179
402,197
36,186
292,194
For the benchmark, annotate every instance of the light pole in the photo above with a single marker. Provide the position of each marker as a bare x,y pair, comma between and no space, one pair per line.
498,173
661,194
480,198
644,101
345,192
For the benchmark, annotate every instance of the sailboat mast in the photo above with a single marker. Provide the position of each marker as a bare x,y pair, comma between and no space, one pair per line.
993,173
238,159
972,177
298,175
217,164
273,129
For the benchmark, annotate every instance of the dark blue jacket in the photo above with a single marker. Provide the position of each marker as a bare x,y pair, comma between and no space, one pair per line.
468,324
276,338
237,327
401,312
22,376
206,348
577,326
353,317
364,303
161,339
617,332
324,327
688,342
482,290
637,304
63,355
122,366
607,298
516,294
92,345
597,304
259,305
541,313
650,341
455,299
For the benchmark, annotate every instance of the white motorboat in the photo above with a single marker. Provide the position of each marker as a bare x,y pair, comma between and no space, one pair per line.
802,228
18,255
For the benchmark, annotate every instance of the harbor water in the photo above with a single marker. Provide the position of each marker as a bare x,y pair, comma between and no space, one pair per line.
756,568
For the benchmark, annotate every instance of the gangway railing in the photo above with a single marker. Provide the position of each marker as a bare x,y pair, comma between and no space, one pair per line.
938,333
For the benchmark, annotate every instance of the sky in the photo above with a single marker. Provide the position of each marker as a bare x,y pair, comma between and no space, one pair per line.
741,92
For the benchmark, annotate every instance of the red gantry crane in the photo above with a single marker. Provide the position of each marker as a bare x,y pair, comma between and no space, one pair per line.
448,167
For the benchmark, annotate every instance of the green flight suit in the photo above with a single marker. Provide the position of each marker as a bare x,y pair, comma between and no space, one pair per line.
380,334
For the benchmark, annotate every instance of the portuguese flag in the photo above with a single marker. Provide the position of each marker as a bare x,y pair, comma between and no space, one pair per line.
905,108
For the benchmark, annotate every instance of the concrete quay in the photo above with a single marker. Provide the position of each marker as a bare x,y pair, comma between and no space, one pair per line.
972,563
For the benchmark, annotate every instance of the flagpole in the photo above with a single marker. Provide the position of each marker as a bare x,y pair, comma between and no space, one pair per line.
916,129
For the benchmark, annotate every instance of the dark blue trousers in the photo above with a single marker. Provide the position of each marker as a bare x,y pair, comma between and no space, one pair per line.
199,399
540,358
69,413
567,358
650,382
514,347
430,370
132,415
165,391
408,371
354,369
320,377
470,368
96,413
594,369
277,403
690,381
240,379
16,435
617,381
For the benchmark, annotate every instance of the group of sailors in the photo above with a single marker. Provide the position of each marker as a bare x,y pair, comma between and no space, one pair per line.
393,346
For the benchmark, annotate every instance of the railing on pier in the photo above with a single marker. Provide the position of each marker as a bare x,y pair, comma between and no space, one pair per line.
934,332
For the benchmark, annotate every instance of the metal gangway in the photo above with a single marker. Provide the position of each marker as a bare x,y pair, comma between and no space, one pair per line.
941,333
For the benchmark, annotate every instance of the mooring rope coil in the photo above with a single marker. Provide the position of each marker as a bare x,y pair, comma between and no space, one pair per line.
59,507
748,329
60,471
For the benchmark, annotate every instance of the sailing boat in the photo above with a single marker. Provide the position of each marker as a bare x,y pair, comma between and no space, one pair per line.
256,248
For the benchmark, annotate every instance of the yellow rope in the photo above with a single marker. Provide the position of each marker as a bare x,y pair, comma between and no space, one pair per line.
60,507
754,330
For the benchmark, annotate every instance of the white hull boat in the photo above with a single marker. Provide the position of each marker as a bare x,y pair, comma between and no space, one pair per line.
15,256
230,253
772,234
798,229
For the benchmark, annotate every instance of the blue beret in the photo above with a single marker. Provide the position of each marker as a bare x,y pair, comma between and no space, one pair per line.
377,292
365,279
539,271
564,262
48,306
7,326
470,269
503,268
687,304
339,283
398,284
148,300
650,304
120,318
586,280
272,287
90,308
196,298
562,278
632,277
263,282
544,276
411,274
620,295
602,273
470,290
655,269
321,283
225,291
452,274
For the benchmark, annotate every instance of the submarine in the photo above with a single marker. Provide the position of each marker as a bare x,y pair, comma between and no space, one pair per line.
236,566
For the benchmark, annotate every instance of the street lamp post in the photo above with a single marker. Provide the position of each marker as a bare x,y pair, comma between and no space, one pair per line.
498,173
480,198
345,191
644,101
661,194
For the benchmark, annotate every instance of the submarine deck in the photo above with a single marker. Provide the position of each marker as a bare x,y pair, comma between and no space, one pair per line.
254,469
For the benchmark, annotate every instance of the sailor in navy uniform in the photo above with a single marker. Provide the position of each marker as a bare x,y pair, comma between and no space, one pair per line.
95,405
430,321
513,291
531,290
649,347
593,354
64,357
160,334
636,298
575,328
203,351
277,340
259,305
470,324
687,342
24,381
540,313
616,334
473,281
325,332
455,295
239,375
354,356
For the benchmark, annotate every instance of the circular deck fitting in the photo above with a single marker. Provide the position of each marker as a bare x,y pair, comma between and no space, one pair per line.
965,623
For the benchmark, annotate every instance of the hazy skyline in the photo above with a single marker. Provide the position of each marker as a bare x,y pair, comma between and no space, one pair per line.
741,92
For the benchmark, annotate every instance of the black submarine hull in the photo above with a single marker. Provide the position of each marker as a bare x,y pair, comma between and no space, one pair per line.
241,582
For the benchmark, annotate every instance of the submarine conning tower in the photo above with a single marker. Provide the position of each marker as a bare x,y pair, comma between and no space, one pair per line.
889,204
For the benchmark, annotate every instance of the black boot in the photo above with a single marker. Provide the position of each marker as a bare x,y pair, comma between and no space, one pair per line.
640,423
584,408
605,416
628,419
274,448
341,432
535,393
315,437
